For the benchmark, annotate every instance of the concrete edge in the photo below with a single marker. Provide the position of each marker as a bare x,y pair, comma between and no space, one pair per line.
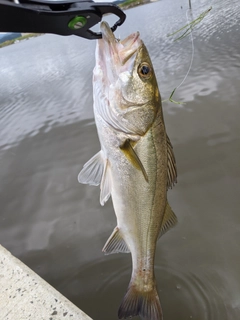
25,295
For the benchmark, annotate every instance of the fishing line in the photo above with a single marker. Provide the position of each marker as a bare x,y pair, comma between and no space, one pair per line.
189,31
191,61
190,65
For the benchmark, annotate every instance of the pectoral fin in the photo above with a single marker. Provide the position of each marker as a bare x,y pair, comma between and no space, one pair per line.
169,220
115,243
131,155
172,168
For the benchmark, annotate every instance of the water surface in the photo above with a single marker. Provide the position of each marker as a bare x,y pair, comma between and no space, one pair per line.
47,132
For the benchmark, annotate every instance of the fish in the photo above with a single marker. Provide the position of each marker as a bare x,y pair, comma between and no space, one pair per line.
135,165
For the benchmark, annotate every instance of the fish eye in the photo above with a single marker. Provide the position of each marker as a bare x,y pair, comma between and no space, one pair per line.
144,70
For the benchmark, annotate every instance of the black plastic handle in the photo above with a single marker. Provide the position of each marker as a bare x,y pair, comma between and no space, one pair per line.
56,17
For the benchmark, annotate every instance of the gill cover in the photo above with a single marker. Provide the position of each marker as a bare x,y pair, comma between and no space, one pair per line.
126,94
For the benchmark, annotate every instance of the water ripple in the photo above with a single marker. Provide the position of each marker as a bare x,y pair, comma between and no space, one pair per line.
194,295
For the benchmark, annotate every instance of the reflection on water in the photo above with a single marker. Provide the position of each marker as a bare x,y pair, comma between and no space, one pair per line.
58,227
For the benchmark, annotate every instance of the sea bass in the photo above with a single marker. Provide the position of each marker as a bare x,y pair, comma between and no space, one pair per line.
135,165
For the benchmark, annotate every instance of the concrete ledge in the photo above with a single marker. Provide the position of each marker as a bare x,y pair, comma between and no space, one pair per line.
24,295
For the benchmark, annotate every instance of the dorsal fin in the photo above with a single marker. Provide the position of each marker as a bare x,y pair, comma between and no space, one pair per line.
115,243
169,220
131,155
172,168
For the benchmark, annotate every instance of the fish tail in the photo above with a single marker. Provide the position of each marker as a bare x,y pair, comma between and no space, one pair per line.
145,304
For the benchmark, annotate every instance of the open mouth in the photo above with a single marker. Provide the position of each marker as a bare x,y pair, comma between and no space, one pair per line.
121,50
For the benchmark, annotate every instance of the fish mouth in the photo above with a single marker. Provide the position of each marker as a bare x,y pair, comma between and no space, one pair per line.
114,56
123,49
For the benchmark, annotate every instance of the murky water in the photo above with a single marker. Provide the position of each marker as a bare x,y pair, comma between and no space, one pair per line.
47,133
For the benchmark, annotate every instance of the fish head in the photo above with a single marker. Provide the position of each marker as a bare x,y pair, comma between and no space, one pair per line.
125,86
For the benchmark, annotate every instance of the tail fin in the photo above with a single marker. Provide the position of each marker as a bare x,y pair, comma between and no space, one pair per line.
144,304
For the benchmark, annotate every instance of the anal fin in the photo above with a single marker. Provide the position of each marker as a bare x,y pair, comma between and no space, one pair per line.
115,243
169,220
131,155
